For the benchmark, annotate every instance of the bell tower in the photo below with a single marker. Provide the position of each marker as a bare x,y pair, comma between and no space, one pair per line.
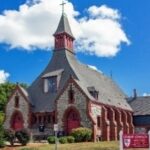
63,35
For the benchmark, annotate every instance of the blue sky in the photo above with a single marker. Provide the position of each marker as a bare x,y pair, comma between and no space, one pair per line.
130,65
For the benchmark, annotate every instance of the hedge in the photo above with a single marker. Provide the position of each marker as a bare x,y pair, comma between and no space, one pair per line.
82,134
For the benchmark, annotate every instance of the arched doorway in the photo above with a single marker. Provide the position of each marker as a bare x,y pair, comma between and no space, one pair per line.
17,121
72,119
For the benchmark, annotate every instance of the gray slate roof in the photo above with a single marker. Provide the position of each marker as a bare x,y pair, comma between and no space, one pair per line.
109,92
140,105
64,26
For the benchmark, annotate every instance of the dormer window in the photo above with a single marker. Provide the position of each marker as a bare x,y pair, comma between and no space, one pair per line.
52,84
16,101
51,80
93,92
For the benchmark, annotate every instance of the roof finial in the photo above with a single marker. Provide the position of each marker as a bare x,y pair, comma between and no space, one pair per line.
63,4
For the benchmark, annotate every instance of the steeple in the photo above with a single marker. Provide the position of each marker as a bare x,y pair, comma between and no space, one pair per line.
63,35
64,26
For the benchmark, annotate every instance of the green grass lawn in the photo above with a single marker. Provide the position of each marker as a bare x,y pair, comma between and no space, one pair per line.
76,146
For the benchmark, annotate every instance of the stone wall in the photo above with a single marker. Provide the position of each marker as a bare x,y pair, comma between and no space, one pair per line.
10,109
80,103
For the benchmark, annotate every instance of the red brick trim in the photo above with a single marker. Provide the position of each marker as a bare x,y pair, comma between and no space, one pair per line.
65,115
107,105
12,117
17,88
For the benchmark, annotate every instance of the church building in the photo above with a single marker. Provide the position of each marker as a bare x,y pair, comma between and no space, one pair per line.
70,94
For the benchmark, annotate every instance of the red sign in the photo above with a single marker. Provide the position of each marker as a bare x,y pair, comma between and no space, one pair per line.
136,141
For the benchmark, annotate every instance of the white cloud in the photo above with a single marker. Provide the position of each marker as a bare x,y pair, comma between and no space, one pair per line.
3,76
104,12
94,68
146,94
32,26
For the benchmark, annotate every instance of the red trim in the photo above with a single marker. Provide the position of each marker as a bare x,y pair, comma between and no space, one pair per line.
65,116
16,112
17,88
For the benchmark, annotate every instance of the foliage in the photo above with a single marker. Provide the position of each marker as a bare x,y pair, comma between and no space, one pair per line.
5,92
70,139
1,117
82,134
2,140
23,137
63,140
10,136
51,139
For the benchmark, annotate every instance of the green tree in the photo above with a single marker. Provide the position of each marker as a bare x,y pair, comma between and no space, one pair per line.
5,91
2,140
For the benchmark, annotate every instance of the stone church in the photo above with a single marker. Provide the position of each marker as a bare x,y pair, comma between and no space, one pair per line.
70,94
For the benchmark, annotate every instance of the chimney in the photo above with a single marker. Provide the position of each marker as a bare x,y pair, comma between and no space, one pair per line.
134,93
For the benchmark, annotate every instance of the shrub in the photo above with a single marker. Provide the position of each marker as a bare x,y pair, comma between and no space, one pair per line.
51,139
2,140
23,137
63,140
70,139
10,136
1,117
82,134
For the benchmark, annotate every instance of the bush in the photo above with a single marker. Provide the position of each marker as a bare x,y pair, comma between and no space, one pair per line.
51,139
1,117
70,139
82,134
23,137
2,140
10,136
63,140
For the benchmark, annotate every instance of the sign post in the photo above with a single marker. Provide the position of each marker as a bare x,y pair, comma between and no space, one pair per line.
149,138
121,140
56,130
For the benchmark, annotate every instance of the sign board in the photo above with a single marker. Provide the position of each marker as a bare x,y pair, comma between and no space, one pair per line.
136,141
55,127
128,141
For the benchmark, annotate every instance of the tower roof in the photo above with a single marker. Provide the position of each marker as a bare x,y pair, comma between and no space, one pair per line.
64,26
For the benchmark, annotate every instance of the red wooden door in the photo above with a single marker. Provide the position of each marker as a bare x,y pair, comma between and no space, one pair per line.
73,121
17,122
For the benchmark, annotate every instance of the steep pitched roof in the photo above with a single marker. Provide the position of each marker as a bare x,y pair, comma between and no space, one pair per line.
64,26
140,105
109,92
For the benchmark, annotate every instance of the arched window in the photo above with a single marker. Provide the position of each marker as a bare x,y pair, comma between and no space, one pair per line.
16,101
71,95
98,121
40,119
34,119
49,120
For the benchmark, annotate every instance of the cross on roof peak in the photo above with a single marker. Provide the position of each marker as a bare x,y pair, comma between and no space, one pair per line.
63,4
